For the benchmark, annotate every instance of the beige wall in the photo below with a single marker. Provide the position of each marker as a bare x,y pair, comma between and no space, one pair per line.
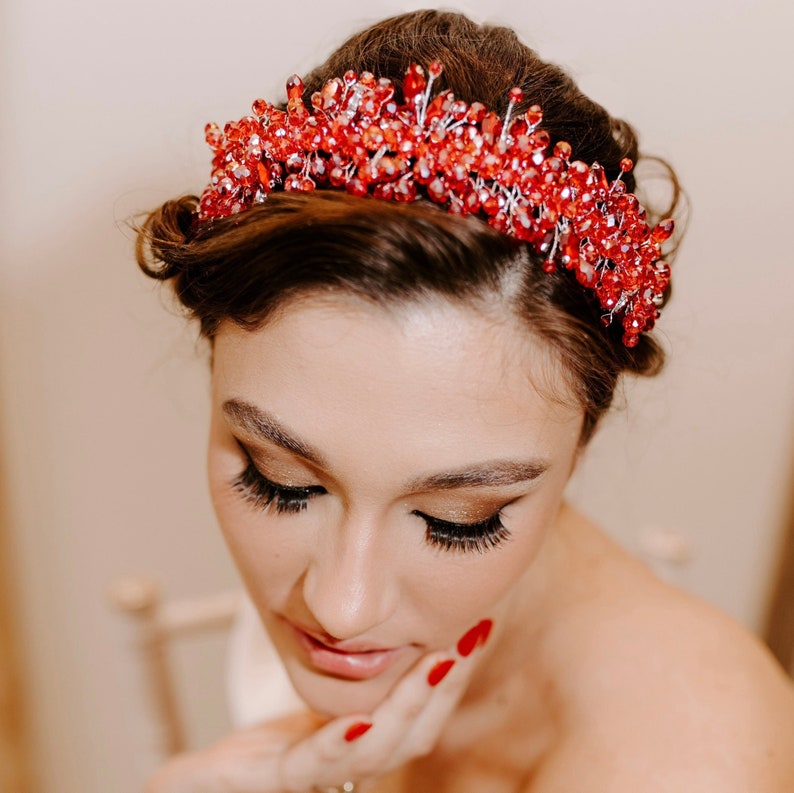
103,403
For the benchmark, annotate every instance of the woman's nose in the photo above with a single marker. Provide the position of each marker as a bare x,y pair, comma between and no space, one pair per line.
349,585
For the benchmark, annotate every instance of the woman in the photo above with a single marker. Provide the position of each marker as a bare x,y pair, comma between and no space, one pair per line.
419,308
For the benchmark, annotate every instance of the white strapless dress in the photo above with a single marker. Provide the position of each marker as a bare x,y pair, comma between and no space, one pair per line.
257,686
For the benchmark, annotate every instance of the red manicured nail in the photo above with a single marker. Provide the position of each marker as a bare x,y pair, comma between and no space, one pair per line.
357,730
439,672
475,637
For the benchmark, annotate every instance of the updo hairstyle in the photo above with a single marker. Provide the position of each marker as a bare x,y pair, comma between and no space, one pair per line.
243,267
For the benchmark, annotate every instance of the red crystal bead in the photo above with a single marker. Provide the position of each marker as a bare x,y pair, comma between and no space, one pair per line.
384,191
437,191
373,138
384,91
491,205
438,107
610,280
562,150
549,266
552,164
598,180
491,127
534,115
662,269
628,204
540,140
319,169
663,231
458,110
626,164
405,190
213,135
457,174
240,171
260,107
586,274
356,187
546,242
631,339
413,83
516,94
477,112
434,69
569,245
499,221
294,87
337,177
331,94
296,182
248,126
609,300
631,279
423,173
472,202
295,163
388,167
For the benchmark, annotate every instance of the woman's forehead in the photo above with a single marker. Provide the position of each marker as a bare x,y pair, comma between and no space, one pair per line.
443,369
435,338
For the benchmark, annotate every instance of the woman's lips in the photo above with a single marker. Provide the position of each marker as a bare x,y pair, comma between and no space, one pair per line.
354,662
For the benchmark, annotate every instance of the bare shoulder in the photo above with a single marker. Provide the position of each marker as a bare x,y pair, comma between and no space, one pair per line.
665,692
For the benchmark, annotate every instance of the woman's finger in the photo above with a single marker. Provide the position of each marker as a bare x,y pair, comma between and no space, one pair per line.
418,707
405,725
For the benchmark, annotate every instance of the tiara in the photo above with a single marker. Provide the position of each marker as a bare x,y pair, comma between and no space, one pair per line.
358,138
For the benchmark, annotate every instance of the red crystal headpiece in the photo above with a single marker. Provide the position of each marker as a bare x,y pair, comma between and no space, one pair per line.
461,156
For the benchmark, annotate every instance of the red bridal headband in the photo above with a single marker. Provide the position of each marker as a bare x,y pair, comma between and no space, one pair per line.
463,157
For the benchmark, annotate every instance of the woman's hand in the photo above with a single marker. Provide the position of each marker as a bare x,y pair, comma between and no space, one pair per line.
302,752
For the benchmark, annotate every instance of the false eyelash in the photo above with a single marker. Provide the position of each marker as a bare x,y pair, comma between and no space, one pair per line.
259,491
465,537
262,493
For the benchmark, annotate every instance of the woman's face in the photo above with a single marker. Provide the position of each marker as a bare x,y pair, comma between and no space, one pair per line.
384,480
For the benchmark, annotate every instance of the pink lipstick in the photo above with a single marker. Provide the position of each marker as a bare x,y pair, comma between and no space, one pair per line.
343,659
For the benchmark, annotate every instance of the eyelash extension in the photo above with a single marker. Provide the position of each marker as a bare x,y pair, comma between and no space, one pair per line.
259,491
262,493
465,537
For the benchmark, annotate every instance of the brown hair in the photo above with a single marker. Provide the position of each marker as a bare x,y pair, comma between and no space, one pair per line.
243,267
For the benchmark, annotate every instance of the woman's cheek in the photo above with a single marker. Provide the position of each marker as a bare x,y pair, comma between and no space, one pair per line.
266,554
501,568
473,585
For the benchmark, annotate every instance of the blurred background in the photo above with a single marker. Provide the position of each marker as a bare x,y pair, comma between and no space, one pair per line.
104,389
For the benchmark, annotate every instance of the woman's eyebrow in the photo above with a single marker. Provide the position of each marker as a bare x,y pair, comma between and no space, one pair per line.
262,425
496,473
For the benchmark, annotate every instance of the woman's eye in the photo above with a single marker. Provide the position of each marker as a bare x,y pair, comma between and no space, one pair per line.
480,536
261,492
